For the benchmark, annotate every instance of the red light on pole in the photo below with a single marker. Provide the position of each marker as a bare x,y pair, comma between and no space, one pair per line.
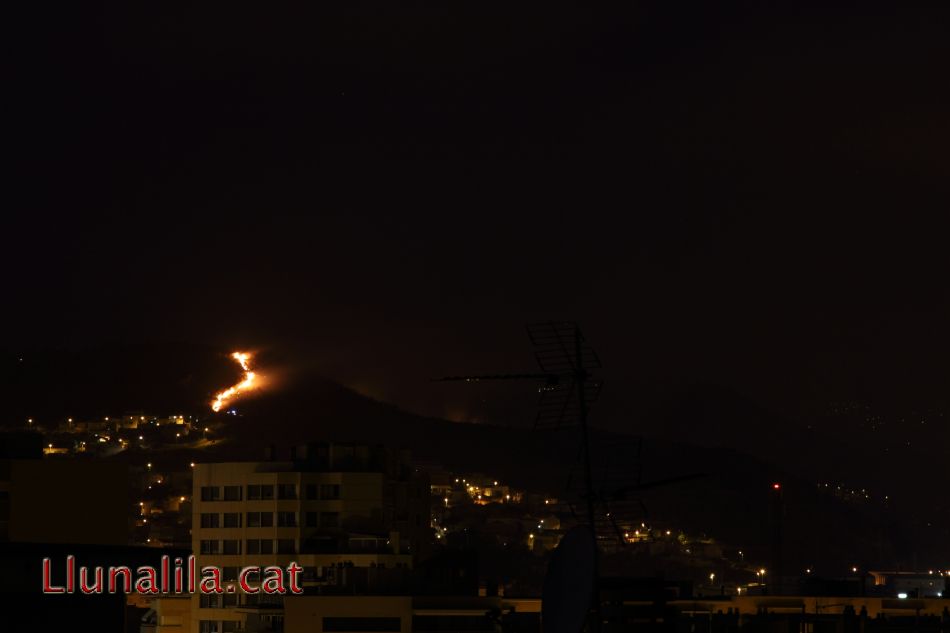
776,486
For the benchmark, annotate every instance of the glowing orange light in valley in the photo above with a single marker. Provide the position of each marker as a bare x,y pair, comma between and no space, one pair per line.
250,382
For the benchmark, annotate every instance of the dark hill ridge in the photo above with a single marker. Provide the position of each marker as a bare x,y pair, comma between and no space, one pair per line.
728,504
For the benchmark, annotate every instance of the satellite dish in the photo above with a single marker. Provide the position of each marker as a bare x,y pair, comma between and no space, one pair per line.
569,584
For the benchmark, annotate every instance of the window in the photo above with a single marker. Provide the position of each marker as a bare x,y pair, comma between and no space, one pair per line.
260,546
232,493
262,492
286,519
330,519
330,491
231,547
367,625
208,626
209,520
229,573
229,600
311,519
232,519
286,491
286,546
209,547
260,519
311,491
229,626
209,601
272,599
210,493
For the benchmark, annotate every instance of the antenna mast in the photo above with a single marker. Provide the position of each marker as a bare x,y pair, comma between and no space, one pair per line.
566,392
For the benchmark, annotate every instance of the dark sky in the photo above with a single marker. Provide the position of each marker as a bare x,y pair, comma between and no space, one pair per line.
749,194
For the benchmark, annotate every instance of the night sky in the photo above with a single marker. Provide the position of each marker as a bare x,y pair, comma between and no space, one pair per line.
745,194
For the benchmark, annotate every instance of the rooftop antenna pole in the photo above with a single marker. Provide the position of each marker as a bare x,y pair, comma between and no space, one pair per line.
567,390
581,379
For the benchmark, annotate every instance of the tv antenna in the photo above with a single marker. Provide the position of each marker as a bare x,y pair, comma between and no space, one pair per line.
567,390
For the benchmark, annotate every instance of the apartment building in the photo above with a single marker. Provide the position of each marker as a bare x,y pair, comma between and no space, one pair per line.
349,515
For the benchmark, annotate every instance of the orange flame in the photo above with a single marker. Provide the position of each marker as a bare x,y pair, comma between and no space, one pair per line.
250,382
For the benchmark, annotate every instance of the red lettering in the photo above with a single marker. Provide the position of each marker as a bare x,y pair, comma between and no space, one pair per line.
293,569
242,579
47,587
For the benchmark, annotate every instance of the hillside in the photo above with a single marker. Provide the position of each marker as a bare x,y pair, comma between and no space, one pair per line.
729,503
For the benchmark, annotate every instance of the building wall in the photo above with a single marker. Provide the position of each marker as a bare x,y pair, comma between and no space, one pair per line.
828,605
361,503
307,614
172,615
392,614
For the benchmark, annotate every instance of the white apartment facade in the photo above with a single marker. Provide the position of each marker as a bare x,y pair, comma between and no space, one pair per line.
273,513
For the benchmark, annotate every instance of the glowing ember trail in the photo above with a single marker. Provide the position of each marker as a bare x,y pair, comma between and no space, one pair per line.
249,383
